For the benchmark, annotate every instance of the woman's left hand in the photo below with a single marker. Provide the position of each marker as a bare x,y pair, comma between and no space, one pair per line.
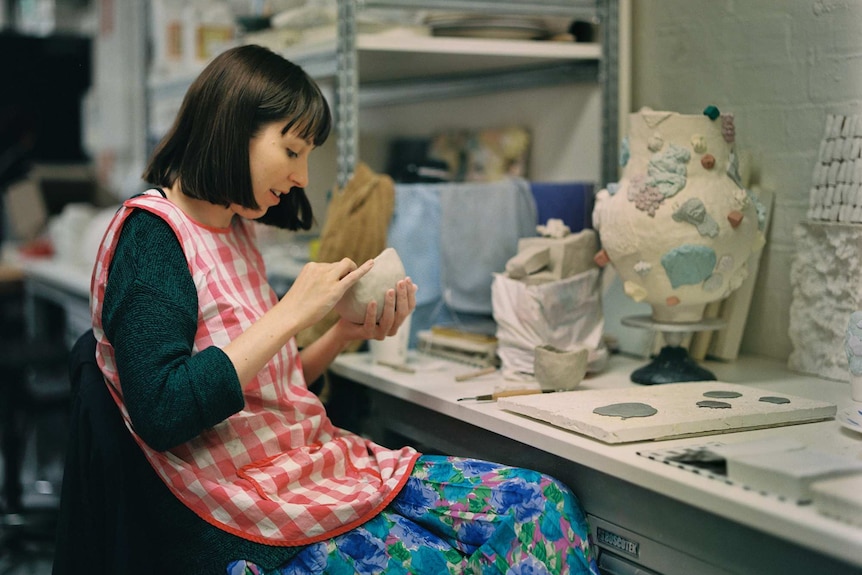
397,305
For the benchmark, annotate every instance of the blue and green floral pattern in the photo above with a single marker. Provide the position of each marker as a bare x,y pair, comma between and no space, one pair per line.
459,516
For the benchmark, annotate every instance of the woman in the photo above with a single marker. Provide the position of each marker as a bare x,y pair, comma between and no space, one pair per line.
201,360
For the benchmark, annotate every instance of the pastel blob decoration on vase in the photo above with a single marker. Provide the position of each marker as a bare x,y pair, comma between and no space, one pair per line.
387,271
679,227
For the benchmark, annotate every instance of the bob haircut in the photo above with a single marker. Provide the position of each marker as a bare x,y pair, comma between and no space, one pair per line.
234,97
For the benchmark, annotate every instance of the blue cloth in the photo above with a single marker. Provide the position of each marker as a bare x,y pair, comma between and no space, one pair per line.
571,202
452,238
414,232
481,224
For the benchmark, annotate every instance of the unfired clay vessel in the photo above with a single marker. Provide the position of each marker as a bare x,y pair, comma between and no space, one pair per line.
387,271
558,370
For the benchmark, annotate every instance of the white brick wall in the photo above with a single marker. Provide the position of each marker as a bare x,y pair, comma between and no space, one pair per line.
780,67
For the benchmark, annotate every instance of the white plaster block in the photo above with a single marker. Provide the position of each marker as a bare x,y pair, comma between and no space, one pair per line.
826,286
832,177
830,122
837,122
846,124
850,126
830,149
789,473
676,410
847,149
821,155
838,126
840,498
843,194
837,149
753,447
818,178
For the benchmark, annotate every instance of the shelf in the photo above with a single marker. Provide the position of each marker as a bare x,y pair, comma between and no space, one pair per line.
478,46
389,57
400,68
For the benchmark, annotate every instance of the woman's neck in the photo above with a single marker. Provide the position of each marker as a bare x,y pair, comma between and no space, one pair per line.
201,211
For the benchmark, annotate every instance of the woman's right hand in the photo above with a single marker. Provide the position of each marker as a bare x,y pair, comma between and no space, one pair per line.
316,290
319,286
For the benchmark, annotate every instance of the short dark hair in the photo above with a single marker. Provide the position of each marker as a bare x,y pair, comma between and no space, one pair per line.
234,97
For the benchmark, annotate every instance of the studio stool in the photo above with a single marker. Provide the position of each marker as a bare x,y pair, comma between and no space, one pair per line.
24,396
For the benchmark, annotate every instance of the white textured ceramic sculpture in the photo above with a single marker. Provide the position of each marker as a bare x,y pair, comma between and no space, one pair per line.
853,349
679,228
387,271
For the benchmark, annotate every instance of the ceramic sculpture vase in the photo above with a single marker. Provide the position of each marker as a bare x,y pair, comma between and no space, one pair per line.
679,227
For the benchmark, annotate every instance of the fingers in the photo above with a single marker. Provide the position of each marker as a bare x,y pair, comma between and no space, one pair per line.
387,324
405,303
350,272
398,304
411,289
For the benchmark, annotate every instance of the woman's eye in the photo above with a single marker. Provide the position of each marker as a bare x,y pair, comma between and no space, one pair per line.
291,153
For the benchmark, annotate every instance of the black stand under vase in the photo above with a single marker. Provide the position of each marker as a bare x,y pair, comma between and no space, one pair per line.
673,363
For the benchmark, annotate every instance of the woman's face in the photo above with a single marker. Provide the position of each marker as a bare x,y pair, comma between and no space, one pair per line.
278,162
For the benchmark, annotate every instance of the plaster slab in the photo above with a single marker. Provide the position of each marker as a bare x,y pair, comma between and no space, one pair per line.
677,414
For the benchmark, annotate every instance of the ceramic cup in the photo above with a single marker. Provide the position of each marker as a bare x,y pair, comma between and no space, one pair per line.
392,350
558,370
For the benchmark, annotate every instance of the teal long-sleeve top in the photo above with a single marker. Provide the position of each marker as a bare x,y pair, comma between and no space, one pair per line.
150,316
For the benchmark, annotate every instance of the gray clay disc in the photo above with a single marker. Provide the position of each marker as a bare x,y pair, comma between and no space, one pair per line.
714,404
626,410
722,394
774,399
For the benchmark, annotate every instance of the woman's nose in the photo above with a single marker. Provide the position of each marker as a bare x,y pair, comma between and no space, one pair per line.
299,175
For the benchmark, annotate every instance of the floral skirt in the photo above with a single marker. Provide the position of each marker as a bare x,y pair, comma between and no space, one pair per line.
459,516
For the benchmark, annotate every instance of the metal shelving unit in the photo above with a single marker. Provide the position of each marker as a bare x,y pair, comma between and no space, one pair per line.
536,64
449,67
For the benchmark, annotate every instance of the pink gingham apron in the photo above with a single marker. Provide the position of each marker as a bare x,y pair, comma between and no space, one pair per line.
278,472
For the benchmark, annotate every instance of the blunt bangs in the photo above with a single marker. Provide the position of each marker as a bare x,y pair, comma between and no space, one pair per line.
297,101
